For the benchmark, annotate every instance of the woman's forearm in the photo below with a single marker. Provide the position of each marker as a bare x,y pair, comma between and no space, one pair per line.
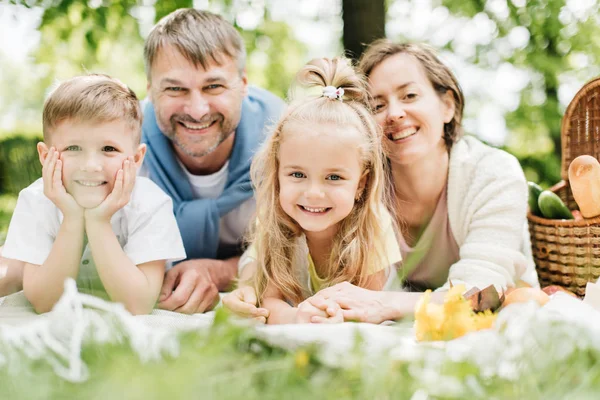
44,284
397,305
123,280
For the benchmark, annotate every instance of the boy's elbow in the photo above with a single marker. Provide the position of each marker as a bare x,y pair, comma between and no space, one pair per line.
138,306
138,309
40,305
38,300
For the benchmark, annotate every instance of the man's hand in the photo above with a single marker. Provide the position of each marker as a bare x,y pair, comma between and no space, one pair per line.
242,302
189,288
54,188
120,195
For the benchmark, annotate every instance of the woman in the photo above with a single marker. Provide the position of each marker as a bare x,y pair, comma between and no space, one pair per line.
461,204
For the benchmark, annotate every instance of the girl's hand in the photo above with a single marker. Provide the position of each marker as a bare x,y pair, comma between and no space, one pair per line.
120,195
358,304
306,311
334,312
242,302
54,188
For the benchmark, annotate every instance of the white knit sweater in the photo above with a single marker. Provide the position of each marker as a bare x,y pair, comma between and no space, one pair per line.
487,210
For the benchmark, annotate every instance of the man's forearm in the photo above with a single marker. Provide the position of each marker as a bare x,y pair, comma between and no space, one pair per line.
223,272
44,284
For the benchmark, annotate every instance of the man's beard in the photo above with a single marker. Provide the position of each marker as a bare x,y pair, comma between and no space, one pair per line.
225,130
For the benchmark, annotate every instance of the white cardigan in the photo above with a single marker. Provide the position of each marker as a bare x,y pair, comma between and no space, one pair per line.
487,210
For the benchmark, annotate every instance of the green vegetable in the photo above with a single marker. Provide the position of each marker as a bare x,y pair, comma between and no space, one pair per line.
534,193
552,206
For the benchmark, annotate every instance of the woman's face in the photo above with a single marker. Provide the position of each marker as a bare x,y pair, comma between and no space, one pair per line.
407,107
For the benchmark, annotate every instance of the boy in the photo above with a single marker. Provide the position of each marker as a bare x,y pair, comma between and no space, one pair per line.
89,202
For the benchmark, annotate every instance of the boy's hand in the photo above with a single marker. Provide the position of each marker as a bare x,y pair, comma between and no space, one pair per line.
120,195
54,188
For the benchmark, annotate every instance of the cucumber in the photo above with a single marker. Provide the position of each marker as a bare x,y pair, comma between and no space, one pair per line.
552,206
534,193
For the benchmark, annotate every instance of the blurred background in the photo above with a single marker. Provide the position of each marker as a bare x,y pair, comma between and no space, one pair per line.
519,62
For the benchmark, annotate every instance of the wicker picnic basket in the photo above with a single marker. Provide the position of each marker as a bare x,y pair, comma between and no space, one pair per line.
567,252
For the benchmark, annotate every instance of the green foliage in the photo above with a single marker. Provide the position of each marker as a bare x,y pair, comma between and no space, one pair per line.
19,163
165,7
7,205
558,37
229,362
77,38
274,56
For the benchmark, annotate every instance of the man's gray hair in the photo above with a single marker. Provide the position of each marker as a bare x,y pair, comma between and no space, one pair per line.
200,36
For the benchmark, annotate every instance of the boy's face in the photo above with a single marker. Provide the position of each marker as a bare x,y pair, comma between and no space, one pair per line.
92,154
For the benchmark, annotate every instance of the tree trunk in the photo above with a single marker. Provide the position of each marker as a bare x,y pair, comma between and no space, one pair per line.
364,21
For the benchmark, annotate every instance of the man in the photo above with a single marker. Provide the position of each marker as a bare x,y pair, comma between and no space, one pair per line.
202,125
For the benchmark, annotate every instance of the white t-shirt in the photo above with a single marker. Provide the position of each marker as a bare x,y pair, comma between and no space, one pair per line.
146,229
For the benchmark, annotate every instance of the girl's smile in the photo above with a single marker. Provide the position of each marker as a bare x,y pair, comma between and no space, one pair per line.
320,173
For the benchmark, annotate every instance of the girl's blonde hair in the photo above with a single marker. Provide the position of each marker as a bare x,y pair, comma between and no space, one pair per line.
355,249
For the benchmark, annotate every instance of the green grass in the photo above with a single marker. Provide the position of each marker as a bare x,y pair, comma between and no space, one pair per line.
7,205
229,362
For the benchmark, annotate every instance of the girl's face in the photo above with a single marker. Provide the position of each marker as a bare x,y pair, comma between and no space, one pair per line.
407,107
320,175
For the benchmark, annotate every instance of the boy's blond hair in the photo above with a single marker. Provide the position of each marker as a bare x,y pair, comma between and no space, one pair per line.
93,98
356,248
200,36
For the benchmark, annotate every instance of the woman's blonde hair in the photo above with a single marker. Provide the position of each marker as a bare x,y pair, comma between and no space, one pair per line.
356,246
441,77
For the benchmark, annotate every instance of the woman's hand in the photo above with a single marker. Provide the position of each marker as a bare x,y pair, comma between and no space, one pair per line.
242,302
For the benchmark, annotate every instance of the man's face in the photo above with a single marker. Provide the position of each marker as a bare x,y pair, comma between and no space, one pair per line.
196,108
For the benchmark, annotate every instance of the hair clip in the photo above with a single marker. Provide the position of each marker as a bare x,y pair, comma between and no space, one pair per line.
333,92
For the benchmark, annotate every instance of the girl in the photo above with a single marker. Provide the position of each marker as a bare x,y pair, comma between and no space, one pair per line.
320,183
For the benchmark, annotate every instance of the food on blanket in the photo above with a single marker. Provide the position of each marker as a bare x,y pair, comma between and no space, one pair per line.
552,206
584,179
524,295
519,283
534,193
450,320
550,290
486,299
